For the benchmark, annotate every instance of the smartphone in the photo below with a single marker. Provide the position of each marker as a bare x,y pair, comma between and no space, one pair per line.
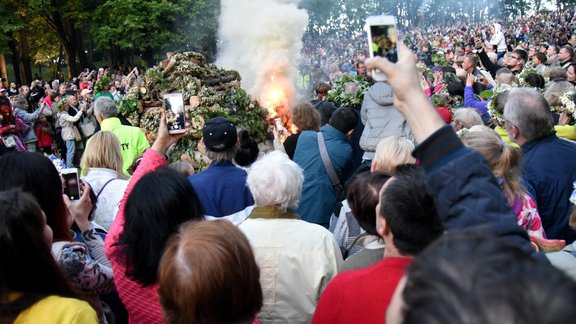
71,183
382,41
278,124
175,113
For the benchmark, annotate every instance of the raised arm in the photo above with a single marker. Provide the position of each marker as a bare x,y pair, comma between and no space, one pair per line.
465,191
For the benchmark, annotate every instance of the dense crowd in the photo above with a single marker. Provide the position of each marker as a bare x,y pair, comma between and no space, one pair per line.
448,195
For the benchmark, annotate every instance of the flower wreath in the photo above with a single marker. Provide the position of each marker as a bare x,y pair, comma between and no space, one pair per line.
566,104
494,114
100,84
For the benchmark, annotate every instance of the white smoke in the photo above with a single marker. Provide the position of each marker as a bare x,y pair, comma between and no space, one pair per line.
262,40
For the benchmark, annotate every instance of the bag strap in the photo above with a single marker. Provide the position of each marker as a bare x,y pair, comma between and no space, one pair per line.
104,186
326,160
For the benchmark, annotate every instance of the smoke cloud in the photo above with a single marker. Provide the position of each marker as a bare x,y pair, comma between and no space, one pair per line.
262,40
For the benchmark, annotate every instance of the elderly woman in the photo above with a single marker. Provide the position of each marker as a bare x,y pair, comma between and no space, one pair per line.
297,259
22,111
102,170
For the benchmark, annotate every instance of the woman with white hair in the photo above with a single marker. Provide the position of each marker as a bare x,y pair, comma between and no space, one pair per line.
297,259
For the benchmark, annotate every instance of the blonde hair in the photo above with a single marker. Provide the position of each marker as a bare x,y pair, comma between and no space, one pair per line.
391,152
503,159
103,151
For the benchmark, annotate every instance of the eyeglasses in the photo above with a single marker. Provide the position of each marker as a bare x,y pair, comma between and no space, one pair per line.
514,57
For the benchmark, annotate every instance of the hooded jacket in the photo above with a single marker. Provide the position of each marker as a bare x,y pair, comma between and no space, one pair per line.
498,38
380,118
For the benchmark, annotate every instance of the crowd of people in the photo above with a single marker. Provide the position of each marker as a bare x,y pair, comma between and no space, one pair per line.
461,206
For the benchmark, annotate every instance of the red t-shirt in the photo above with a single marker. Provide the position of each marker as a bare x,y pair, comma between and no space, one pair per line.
361,296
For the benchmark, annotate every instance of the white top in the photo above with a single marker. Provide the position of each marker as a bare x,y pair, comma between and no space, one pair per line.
109,199
297,259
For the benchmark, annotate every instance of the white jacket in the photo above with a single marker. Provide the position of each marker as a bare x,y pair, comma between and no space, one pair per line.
498,39
297,259
109,199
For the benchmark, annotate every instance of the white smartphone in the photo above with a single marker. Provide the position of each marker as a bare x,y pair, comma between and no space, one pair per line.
382,41
278,124
71,183
175,113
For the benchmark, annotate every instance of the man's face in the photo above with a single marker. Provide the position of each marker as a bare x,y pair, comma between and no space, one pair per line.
535,60
361,69
532,52
63,89
467,64
551,51
563,55
513,60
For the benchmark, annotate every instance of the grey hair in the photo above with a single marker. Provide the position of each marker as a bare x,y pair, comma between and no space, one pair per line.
217,157
105,107
528,110
468,117
276,181
555,90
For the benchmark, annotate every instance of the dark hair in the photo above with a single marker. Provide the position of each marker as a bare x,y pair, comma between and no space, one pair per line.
542,57
28,266
344,120
522,53
535,80
247,151
409,210
363,194
322,88
35,174
208,274
455,89
570,50
471,278
158,204
448,69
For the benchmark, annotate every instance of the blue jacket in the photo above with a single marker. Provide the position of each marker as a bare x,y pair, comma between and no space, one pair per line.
318,196
466,194
549,166
222,189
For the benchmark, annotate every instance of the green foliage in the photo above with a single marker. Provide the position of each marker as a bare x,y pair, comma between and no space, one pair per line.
128,106
439,59
101,83
348,91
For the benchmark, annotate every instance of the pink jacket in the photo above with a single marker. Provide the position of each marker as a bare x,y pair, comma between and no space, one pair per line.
142,303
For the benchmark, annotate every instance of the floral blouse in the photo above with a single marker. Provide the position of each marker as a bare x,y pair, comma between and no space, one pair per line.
85,265
527,216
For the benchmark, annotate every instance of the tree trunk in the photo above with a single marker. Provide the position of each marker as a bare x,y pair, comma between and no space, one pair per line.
25,55
3,71
15,61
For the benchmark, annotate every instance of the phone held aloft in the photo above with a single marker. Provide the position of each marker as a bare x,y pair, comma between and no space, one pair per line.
71,183
175,113
382,41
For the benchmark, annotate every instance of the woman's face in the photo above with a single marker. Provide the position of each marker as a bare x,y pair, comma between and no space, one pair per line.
571,74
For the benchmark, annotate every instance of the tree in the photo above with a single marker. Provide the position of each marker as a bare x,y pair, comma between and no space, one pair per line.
142,26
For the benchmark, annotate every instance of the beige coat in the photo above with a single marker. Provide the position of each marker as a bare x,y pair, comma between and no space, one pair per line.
69,131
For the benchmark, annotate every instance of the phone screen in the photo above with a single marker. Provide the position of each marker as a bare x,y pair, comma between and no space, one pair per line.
71,185
383,41
278,124
175,113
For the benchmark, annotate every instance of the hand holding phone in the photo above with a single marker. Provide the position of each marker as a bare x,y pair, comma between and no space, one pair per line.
71,183
175,113
278,124
382,41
